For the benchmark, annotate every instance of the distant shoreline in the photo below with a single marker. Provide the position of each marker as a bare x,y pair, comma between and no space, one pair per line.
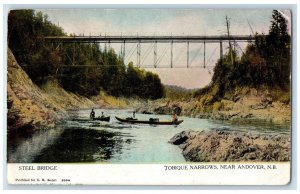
247,104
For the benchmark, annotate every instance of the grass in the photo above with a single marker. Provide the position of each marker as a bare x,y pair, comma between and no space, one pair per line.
281,96
112,101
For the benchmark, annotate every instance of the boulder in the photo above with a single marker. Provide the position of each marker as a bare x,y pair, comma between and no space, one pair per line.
180,138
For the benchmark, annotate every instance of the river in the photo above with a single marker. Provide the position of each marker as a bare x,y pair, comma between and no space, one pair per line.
79,140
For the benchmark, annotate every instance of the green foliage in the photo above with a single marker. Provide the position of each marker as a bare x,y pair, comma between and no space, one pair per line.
266,62
143,84
81,68
25,30
178,93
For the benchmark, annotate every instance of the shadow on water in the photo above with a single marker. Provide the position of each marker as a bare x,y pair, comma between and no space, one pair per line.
82,145
17,136
113,126
22,148
82,140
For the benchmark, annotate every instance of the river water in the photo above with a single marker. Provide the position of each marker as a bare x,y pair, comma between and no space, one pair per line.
82,140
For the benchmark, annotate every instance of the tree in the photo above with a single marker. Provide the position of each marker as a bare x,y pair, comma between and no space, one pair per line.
278,44
266,62
80,67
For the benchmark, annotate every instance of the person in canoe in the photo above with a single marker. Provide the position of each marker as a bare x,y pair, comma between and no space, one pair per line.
92,114
174,118
102,115
133,116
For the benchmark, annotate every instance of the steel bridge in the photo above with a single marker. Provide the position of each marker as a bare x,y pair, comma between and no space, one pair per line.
123,40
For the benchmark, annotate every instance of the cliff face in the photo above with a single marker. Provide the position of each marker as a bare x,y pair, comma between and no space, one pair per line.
27,104
30,107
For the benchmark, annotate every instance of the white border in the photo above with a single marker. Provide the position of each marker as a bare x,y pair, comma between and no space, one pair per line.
295,105
251,173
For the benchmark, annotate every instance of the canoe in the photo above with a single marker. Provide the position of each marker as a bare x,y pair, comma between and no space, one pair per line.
151,122
102,118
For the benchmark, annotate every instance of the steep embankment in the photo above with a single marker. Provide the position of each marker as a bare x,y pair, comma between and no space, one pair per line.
245,103
63,99
30,107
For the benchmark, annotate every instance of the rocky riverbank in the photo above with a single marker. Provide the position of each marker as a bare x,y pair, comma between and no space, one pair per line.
223,145
30,107
247,103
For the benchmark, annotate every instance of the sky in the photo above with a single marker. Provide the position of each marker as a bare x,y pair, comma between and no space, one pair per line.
167,22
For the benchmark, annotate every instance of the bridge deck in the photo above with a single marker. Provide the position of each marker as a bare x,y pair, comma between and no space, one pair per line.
146,39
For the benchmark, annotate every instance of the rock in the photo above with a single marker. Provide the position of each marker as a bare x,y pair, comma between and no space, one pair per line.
265,138
236,98
176,109
179,138
168,109
143,110
237,139
162,110
230,146
278,138
267,100
9,104
259,106
221,128
247,115
256,136
182,146
146,112
251,156
192,134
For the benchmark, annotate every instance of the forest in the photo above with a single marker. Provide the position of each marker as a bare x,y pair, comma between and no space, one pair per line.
265,64
86,72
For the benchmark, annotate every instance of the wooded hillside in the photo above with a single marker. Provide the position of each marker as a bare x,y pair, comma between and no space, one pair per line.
85,69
